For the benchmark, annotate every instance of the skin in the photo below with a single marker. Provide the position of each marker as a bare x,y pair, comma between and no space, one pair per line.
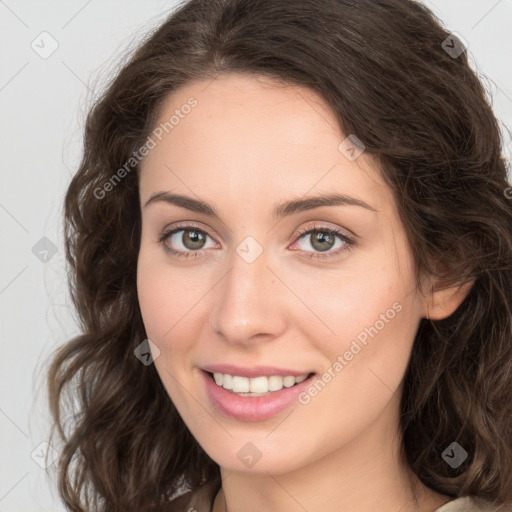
249,144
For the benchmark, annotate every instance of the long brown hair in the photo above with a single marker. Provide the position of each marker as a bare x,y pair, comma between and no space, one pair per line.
384,69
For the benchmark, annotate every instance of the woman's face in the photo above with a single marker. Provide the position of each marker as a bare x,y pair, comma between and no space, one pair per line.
246,290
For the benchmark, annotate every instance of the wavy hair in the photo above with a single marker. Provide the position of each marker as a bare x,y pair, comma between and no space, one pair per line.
423,115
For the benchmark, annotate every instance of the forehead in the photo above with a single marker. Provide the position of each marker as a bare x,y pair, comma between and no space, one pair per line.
253,138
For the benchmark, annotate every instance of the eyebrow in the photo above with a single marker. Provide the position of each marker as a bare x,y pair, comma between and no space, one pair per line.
280,211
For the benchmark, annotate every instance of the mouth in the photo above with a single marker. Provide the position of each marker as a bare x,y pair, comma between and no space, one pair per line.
262,385
247,399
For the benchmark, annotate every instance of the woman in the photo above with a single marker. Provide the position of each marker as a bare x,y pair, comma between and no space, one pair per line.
290,248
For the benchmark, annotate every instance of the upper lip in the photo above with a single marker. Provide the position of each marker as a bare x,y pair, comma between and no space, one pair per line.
253,371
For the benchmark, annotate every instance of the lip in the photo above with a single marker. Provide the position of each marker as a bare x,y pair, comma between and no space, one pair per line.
253,371
252,408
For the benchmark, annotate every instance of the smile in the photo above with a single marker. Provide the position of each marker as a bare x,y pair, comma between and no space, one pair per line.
233,395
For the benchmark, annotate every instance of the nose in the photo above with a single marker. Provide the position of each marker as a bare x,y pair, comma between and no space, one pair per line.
249,302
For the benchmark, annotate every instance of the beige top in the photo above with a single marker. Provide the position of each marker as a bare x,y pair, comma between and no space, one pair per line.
202,501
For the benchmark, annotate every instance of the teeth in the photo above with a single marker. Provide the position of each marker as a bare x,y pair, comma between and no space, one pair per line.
227,381
256,386
240,384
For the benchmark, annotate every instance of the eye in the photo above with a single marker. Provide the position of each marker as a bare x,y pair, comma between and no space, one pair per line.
185,241
323,240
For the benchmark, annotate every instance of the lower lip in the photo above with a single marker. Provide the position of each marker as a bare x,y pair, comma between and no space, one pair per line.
252,408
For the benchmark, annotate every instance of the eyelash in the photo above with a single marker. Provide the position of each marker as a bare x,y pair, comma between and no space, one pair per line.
349,242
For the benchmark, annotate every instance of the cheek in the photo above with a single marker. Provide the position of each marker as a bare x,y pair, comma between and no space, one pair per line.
163,304
153,301
347,302
369,315
171,298
158,292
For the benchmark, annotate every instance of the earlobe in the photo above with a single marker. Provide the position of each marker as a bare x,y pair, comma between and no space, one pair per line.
443,302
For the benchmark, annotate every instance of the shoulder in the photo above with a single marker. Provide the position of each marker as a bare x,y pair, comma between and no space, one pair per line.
190,501
467,504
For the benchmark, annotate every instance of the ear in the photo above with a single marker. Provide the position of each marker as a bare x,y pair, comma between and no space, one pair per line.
441,303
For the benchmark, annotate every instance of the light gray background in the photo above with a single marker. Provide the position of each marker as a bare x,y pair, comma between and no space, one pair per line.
43,102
